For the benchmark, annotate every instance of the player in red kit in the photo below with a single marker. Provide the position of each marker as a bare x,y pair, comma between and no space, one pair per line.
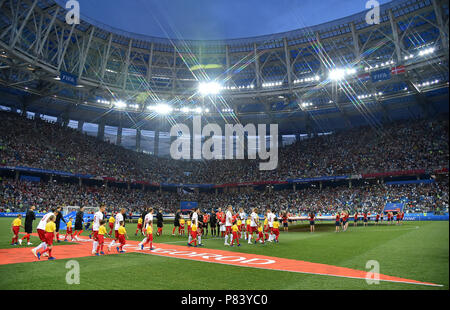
338,223
311,222
365,218
285,222
345,221
355,223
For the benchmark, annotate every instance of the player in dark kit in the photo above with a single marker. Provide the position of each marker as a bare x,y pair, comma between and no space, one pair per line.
176,222
213,223
143,214
59,217
79,223
201,224
196,211
159,222
29,218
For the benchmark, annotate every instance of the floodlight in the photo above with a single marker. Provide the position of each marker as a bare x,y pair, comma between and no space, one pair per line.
209,88
350,71
120,104
336,74
163,109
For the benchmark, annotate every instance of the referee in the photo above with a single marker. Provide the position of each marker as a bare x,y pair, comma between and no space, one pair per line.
79,223
213,223
159,222
59,217
29,218
176,222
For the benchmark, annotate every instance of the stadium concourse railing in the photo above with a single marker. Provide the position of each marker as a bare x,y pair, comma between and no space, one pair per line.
416,172
430,216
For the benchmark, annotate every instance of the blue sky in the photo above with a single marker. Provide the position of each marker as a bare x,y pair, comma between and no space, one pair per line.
216,19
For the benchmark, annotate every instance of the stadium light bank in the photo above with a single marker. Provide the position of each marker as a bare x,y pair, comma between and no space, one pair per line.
212,147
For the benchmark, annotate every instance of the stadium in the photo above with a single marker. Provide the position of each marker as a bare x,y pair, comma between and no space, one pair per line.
309,159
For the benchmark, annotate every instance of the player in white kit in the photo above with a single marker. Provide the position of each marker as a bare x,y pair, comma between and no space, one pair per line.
243,217
254,218
148,220
98,216
119,218
220,216
228,224
270,219
41,232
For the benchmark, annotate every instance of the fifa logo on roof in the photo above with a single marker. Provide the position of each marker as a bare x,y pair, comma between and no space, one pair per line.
73,13
373,15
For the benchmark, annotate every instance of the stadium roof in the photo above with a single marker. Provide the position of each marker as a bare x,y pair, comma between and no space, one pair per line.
396,69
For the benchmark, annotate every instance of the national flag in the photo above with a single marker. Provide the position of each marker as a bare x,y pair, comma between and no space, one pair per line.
398,70
364,77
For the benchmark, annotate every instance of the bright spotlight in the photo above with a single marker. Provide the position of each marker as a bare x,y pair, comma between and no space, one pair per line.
120,104
350,71
336,74
209,88
163,109
185,110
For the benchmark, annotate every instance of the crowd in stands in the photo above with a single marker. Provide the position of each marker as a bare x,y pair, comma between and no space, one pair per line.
20,195
421,144
398,146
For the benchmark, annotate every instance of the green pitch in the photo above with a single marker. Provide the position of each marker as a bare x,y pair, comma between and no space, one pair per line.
414,250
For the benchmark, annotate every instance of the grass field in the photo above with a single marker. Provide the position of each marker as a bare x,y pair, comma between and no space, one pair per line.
414,250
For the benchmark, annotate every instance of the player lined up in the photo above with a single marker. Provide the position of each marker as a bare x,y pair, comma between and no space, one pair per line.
235,227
